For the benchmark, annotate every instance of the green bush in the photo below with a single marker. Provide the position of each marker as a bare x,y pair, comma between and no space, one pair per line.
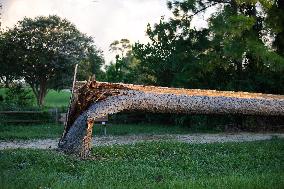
16,95
42,117
1,98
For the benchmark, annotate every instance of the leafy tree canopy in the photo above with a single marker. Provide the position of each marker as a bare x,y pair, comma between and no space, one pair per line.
231,54
44,51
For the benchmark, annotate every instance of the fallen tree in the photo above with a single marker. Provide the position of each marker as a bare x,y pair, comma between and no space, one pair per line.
93,100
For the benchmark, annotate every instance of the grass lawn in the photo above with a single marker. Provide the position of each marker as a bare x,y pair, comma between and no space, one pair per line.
57,99
11,132
52,99
25,132
149,165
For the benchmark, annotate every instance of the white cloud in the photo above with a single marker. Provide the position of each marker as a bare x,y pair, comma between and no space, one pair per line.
105,20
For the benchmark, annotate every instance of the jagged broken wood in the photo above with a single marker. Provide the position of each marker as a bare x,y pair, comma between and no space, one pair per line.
93,100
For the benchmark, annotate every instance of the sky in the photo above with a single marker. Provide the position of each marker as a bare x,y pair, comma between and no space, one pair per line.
104,20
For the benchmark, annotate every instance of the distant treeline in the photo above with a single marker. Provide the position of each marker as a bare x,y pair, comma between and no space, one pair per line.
242,49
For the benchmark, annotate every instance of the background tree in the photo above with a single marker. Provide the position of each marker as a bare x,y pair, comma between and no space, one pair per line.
179,55
47,48
91,65
121,47
237,51
8,57
275,22
123,69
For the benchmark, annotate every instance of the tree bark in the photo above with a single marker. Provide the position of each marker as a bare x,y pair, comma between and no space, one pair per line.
105,98
39,92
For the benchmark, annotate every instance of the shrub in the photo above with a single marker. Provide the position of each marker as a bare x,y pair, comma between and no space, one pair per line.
16,95
1,98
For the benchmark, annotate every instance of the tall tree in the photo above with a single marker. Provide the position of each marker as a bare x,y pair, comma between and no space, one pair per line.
123,69
232,45
47,48
91,66
8,57
275,21
120,47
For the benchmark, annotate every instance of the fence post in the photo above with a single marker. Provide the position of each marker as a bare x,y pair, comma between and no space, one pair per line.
105,129
56,115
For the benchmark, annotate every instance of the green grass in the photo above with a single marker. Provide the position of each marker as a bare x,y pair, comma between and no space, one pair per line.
2,91
149,165
57,99
53,98
24,132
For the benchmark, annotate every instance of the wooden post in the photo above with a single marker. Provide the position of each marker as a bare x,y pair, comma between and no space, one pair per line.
94,77
71,99
56,116
105,129
72,93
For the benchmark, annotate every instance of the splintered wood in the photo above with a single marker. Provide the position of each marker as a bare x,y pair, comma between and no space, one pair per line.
93,100
87,141
87,94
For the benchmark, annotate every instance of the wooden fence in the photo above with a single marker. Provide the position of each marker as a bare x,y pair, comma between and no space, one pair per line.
9,117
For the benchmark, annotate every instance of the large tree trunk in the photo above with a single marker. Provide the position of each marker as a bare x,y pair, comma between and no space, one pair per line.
42,92
94,100
39,91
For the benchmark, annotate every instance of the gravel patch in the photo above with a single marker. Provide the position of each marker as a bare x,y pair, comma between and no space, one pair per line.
132,139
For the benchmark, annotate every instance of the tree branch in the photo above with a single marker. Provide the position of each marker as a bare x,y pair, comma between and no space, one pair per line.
211,5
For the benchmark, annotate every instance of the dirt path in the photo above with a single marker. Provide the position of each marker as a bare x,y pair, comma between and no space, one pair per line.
131,139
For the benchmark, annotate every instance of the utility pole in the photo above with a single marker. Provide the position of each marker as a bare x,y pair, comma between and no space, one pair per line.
1,6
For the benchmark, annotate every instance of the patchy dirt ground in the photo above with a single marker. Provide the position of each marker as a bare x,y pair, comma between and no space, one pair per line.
131,139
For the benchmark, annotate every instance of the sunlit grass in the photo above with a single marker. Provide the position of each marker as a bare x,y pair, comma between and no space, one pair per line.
57,98
53,98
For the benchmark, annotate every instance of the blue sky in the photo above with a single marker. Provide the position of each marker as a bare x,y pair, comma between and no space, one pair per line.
105,20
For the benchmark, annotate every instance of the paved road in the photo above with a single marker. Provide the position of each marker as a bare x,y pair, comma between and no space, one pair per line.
131,139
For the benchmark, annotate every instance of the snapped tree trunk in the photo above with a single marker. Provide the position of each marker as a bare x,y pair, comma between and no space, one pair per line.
94,100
